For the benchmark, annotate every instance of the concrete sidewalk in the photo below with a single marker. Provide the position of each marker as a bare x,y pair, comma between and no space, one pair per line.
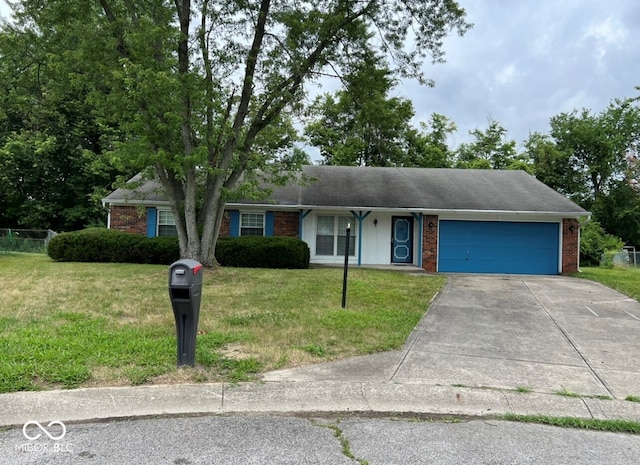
483,339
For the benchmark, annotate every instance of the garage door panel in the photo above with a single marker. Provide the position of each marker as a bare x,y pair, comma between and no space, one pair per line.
498,247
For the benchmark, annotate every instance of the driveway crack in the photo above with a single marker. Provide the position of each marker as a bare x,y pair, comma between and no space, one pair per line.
570,341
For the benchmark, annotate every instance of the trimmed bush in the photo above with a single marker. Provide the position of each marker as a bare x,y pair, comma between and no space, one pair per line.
158,250
107,245
263,252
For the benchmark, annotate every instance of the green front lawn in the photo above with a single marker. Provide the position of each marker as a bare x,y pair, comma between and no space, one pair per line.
625,280
93,324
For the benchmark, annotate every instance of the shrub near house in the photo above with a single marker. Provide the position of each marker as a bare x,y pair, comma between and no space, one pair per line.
106,245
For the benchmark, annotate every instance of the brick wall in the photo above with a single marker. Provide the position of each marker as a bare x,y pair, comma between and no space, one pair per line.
570,246
286,224
129,219
430,243
225,228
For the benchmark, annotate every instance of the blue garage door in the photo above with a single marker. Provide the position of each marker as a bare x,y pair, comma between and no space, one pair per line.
498,247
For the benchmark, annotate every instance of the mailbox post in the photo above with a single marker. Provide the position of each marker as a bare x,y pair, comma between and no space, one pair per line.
185,292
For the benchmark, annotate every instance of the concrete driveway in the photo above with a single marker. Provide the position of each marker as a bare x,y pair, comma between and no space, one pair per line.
546,334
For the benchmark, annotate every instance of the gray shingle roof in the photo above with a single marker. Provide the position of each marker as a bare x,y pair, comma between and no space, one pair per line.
410,188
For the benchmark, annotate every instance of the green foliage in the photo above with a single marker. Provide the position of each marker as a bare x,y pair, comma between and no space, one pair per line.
594,147
52,166
107,246
490,150
619,212
263,252
594,242
362,126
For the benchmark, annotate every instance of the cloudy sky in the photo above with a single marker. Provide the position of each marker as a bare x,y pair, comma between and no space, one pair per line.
528,60
525,61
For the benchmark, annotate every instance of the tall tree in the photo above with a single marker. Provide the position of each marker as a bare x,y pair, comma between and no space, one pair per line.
51,170
194,84
428,147
490,149
552,166
361,125
597,145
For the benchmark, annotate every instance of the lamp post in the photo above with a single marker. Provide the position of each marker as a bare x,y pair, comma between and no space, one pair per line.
346,266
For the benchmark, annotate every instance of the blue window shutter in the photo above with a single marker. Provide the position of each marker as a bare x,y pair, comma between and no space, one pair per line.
234,223
152,221
269,220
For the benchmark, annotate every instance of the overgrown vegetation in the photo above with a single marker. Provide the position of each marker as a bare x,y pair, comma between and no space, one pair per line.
594,242
87,324
616,426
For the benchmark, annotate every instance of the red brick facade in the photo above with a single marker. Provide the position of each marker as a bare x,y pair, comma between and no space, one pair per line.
225,226
286,224
430,243
570,245
129,219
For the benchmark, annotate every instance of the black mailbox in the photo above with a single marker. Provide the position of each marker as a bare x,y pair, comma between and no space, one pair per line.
185,291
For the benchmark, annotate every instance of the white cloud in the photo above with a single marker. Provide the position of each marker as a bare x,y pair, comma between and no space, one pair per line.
607,33
506,75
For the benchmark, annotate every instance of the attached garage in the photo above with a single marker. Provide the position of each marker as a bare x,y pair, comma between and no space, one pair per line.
498,247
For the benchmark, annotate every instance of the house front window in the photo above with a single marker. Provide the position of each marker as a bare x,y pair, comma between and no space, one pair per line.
331,235
166,223
252,224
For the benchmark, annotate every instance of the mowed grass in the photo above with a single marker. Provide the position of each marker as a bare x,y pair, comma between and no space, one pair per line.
625,280
65,325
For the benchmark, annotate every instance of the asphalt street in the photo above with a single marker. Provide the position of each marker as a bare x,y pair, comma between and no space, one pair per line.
236,440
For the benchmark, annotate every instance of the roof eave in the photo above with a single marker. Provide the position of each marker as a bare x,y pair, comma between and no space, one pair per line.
433,211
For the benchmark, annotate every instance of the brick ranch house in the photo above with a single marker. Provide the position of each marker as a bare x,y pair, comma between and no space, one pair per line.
442,220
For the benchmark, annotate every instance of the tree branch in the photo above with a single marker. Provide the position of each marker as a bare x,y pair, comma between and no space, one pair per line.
122,47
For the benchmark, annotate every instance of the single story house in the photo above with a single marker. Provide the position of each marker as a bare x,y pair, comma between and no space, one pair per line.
442,220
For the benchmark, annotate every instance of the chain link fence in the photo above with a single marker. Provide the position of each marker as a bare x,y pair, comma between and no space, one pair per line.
624,259
25,240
